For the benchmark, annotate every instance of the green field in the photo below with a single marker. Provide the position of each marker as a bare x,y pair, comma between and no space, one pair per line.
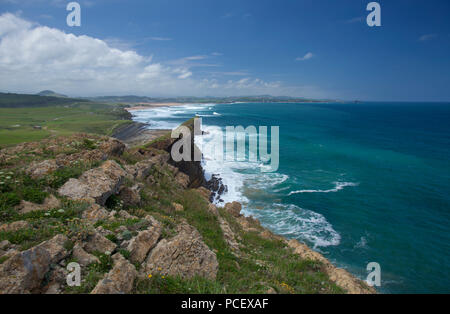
27,124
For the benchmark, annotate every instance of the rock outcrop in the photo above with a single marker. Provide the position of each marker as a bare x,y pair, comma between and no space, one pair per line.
143,243
217,188
119,280
95,213
42,168
83,257
340,276
95,185
98,243
234,208
14,226
184,255
50,202
24,271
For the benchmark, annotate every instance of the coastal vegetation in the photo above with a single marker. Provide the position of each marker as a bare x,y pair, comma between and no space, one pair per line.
25,118
135,220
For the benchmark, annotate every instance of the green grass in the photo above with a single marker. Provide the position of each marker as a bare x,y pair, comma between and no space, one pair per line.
17,124
92,274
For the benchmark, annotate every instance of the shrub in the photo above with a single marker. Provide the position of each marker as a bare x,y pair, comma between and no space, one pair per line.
105,264
34,195
9,199
89,144
112,237
61,176
125,253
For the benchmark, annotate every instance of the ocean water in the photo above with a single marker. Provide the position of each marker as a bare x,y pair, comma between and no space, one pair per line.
360,183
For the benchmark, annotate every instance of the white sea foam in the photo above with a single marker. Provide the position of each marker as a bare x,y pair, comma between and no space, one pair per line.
239,176
338,186
293,221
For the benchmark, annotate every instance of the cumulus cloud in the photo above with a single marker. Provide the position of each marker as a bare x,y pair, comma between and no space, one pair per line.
35,57
307,56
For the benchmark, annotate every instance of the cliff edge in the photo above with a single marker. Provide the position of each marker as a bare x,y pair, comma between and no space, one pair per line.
135,221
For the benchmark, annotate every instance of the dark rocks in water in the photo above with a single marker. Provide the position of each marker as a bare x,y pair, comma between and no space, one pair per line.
217,188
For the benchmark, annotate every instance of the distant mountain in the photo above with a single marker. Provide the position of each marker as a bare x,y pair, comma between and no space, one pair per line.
51,93
10,100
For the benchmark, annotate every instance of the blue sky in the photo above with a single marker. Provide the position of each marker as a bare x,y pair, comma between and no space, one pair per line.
310,48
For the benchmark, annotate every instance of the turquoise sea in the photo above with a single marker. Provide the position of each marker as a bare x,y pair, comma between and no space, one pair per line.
358,182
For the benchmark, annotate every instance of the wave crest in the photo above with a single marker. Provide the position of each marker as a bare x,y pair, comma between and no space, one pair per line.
338,186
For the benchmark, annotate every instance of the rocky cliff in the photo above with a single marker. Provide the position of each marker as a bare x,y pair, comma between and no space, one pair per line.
138,222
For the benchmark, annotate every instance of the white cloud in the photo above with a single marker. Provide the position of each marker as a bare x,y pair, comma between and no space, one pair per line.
35,57
307,56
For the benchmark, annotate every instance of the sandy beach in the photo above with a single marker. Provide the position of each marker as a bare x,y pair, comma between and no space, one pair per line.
154,105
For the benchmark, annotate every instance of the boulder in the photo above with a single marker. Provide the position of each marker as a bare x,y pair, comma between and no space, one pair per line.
14,226
234,208
213,209
56,277
50,202
184,255
83,257
143,243
55,248
98,243
130,196
249,224
216,187
229,235
24,271
141,170
95,213
4,244
42,168
119,280
182,179
102,231
205,193
95,185
125,215
111,147
178,207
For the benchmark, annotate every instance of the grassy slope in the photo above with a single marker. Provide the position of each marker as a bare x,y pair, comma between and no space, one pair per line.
16,124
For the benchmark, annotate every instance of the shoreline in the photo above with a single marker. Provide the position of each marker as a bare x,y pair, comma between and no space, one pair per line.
140,135
143,106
